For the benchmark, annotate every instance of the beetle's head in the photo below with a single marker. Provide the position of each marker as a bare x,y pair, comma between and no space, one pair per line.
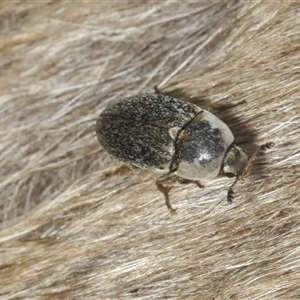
235,161
237,164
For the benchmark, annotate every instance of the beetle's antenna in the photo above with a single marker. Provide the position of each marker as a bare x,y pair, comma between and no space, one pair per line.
254,156
230,192
247,169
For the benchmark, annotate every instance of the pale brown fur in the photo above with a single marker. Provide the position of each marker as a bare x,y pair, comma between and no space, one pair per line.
73,226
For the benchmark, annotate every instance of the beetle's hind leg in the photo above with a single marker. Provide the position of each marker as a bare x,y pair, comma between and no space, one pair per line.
165,190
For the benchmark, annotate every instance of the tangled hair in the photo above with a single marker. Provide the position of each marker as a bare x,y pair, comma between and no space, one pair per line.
76,224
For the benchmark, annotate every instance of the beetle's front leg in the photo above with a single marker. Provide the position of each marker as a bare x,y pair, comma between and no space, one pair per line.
165,190
186,181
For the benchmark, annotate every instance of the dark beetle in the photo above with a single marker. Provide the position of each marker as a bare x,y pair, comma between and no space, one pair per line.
162,133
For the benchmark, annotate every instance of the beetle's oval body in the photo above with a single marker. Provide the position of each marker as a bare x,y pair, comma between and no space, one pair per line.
159,132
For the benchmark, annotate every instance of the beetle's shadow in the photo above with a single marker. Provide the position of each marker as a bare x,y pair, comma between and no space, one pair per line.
244,136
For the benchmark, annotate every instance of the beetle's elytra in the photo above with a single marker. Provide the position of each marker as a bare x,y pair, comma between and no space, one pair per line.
176,137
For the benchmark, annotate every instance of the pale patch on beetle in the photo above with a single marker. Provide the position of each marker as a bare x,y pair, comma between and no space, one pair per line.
189,144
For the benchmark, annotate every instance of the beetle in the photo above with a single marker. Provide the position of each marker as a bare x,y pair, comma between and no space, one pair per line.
173,136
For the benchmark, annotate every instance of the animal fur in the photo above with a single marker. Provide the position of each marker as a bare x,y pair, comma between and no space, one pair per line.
77,224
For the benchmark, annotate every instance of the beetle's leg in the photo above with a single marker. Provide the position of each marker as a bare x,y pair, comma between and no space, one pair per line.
123,169
156,89
230,192
186,181
165,190
199,185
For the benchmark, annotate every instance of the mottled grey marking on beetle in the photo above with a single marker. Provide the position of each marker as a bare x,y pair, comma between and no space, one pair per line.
136,129
205,139
159,132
